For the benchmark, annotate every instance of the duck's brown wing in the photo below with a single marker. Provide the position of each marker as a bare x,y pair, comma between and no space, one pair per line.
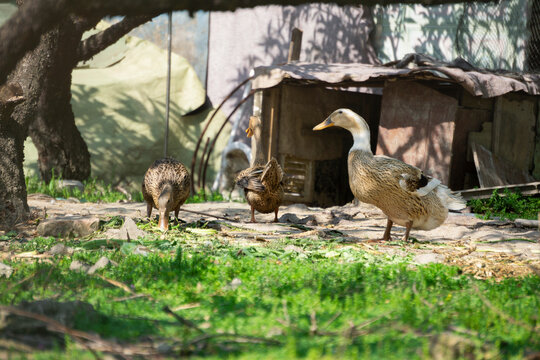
410,177
251,179
272,174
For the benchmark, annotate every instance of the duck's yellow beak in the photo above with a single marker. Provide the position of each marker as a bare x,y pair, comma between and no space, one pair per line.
326,123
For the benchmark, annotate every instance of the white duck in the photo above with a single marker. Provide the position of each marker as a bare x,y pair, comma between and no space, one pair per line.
403,193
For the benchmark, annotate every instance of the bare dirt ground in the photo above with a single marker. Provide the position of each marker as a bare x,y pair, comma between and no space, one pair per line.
483,248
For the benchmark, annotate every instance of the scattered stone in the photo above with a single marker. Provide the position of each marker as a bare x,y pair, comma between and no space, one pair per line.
77,265
234,284
326,217
73,200
292,218
68,226
422,259
71,185
5,270
294,248
526,223
60,249
140,250
128,231
311,234
100,264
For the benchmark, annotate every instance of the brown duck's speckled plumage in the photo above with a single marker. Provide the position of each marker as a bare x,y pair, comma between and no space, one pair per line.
166,171
375,180
263,187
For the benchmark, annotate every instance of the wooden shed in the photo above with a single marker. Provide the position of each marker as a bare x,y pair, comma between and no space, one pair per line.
438,117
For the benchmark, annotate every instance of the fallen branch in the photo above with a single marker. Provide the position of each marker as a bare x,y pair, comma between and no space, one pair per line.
206,214
118,284
183,320
241,339
93,342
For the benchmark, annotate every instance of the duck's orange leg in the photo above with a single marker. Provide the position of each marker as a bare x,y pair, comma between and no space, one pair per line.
275,213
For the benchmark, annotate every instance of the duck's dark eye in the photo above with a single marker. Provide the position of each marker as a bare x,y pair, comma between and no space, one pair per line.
340,112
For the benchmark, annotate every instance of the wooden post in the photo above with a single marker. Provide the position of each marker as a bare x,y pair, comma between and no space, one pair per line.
295,46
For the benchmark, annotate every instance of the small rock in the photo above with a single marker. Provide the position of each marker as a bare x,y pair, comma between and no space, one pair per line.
292,218
73,200
294,248
100,264
128,231
77,265
234,284
71,185
422,259
326,217
73,226
140,250
5,270
60,249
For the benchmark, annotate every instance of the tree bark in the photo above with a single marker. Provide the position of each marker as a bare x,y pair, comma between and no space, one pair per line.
61,149
14,128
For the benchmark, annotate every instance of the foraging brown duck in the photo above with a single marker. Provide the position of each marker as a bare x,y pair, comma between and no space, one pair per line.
403,193
263,187
165,187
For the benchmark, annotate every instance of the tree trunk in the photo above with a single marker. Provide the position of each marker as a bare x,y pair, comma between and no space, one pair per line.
28,74
62,150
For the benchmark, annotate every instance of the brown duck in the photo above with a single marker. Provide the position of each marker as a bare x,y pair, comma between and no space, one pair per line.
165,187
403,193
263,188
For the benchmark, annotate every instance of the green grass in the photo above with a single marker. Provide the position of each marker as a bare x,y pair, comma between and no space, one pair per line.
511,206
96,190
397,309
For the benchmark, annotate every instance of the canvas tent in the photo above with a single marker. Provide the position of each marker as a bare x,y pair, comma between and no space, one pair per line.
119,105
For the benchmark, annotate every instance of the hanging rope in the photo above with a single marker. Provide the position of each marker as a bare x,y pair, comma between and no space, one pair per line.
168,91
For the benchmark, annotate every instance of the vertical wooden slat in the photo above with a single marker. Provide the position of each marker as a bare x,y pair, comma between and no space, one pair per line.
295,46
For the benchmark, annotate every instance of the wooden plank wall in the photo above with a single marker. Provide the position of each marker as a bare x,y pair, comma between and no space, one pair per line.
417,126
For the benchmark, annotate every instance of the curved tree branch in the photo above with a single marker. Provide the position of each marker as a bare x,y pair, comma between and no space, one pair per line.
22,31
98,42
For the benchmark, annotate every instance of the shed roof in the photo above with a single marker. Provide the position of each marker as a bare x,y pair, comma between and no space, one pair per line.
478,82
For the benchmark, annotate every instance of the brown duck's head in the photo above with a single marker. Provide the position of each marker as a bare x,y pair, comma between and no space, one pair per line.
165,204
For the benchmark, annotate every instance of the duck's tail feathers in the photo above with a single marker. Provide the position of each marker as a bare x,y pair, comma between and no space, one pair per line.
451,200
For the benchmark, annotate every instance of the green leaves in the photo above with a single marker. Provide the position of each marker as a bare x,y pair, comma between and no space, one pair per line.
511,206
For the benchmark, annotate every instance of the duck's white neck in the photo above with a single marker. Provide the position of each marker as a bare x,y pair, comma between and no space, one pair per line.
361,140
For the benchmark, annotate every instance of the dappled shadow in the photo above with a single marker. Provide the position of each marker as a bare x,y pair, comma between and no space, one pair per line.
330,34
126,135
488,35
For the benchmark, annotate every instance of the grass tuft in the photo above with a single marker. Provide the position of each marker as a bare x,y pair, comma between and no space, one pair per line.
511,206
